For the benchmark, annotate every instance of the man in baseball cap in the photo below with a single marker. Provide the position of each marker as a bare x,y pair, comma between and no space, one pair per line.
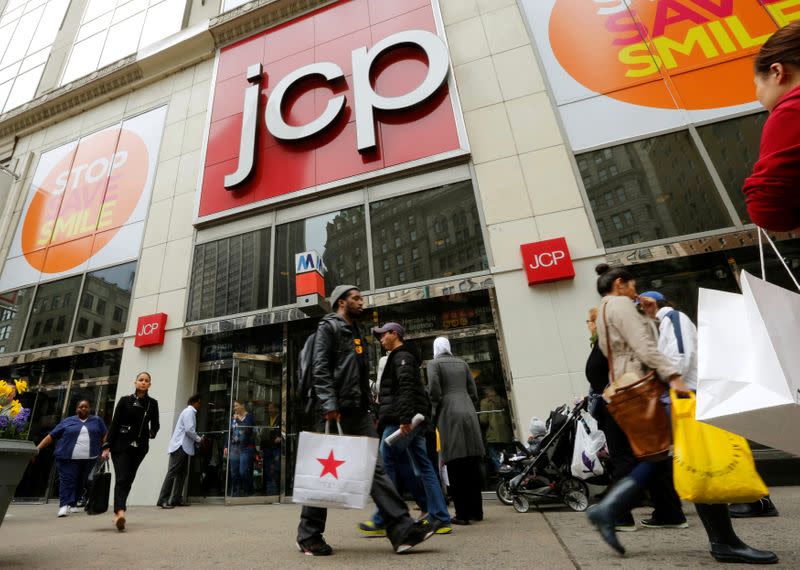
394,327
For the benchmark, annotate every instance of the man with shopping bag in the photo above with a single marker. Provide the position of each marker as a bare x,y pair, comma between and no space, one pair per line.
341,394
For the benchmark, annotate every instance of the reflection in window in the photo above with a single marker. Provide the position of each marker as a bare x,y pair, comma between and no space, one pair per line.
733,147
229,276
667,188
107,286
27,32
113,29
334,236
448,235
14,307
35,337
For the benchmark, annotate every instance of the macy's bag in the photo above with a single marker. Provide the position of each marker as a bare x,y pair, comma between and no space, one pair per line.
748,361
634,404
334,471
589,441
710,465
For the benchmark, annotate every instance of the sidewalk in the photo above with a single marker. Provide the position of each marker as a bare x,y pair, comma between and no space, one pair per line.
263,536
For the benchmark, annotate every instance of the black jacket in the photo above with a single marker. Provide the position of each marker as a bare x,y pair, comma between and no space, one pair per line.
402,394
341,373
597,370
132,422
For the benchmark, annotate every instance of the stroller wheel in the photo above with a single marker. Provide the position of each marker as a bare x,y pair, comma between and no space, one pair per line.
575,494
504,493
521,504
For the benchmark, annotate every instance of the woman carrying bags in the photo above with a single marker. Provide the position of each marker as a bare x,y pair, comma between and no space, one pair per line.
134,424
628,339
78,439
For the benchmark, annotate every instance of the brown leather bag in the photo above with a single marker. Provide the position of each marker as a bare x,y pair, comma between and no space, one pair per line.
635,406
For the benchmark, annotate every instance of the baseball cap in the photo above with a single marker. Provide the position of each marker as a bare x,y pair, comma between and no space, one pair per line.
655,295
340,291
398,328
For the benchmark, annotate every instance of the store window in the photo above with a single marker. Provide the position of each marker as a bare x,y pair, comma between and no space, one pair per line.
35,337
231,4
14,306
27,32
107,286
229,276
449,230
113,29
670,191
335,236
733,147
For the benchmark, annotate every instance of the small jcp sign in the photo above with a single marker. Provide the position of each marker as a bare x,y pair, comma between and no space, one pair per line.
547,261
150,330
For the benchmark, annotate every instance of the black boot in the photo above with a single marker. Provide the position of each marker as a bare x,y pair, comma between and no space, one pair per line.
616,502
725,545
761,508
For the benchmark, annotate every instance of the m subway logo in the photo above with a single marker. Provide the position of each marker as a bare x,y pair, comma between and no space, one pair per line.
691,54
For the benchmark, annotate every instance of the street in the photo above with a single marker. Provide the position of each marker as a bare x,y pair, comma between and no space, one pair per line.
212,536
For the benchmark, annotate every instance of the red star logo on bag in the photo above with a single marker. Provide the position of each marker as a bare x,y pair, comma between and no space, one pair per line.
329,465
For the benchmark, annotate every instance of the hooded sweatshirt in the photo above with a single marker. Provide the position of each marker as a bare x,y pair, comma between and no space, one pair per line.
773,190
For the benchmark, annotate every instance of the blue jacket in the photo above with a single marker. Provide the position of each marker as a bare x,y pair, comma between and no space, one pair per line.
66,434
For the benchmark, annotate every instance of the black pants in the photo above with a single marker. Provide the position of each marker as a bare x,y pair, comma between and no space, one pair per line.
464,474
126,464
393,509
172,489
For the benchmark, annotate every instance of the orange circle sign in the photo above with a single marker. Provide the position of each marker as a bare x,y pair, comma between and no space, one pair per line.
85,200
702,49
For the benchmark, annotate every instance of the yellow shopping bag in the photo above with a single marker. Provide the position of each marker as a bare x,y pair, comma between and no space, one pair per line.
711,465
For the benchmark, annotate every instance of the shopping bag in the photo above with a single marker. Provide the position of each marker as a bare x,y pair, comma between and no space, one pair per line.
589,441
748,362
334,471
99,484
710,465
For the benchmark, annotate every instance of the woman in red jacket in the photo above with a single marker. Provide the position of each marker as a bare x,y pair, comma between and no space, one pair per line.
773,190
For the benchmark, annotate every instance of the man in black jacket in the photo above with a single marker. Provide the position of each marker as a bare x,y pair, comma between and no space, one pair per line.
401,397
342,394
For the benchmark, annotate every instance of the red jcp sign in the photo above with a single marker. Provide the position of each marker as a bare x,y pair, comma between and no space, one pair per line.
352,89
150,330
547,261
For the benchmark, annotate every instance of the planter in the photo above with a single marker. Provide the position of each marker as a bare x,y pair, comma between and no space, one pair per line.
14,457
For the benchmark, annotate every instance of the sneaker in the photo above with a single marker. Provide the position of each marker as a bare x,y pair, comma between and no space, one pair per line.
653,523
63,512
73,510
369,529
315,546
438,527
444,529
625,527
415,535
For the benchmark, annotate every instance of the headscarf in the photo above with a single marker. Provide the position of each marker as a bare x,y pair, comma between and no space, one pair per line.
441,346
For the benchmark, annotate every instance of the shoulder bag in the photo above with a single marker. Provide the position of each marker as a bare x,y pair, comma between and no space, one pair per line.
634,404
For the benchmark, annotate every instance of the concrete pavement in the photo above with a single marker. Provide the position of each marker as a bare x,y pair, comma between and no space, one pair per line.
211,536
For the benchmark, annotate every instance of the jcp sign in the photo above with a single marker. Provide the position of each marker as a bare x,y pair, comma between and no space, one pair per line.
150,330
547,261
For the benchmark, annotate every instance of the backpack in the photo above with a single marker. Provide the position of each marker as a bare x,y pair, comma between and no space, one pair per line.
305,372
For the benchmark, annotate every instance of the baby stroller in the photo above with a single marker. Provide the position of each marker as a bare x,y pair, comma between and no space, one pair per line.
547,478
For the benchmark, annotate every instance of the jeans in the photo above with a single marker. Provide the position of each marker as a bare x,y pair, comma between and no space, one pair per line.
240,466
272,470
72,475
393,509
172,489
415,447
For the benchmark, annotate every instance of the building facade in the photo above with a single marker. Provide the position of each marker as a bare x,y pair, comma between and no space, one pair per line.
168,157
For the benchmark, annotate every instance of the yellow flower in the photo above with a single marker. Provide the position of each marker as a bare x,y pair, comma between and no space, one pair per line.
22,386
16,408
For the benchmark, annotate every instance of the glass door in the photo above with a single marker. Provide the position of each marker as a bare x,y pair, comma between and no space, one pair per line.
255,440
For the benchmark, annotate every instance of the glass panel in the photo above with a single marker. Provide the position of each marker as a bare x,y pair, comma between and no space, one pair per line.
24,88
102,290
207,470
98,364
230,276
95,8
23,35
426,235
340,237
122,40
231,4
254,443
49,24
733,146
83,59
163,19
651,189
14,307
43,312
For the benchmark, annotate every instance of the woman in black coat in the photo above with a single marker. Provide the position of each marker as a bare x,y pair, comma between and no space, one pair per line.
134,424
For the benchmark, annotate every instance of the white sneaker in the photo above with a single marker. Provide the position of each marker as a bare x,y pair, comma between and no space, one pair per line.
73,510
63,512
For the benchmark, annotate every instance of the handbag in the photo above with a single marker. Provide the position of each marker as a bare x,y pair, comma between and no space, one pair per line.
589,441
634,404
99,488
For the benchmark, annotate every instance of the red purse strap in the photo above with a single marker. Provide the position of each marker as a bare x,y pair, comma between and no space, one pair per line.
608,344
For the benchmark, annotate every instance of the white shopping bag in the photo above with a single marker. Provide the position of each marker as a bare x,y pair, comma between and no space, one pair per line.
589,441
749,362
334,471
